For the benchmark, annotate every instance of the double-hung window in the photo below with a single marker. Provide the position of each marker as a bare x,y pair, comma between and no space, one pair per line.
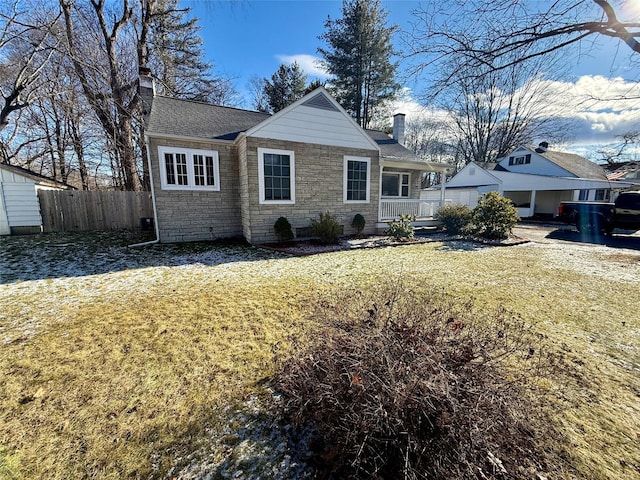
276,176
357,171
395,184
189,169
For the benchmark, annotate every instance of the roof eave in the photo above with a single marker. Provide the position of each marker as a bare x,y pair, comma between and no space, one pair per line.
424,166
171,136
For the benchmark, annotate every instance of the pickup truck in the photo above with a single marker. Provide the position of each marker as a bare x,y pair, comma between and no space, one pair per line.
599,217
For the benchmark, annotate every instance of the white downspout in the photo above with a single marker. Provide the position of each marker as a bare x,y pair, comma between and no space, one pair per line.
153,202
443,177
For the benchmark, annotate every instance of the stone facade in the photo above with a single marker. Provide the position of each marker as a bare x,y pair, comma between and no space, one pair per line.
319,187
235,210
187,215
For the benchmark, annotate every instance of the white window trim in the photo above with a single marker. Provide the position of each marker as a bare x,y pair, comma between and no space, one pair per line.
189,152
399,175
292,184
345,179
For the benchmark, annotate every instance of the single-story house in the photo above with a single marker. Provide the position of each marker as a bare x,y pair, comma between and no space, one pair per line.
226,172
19,204
536,180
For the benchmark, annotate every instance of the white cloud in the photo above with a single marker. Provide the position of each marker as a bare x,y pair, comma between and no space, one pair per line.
596,110
406,103
309,64
599,108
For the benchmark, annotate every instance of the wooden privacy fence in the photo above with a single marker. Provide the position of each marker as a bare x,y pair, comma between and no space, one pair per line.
78,211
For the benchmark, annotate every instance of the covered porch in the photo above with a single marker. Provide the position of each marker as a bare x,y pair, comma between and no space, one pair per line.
400,181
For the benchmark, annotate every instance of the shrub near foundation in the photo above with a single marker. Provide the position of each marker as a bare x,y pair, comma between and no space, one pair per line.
283,230
327,228
402,228
455,218
494,217
421,389
358,223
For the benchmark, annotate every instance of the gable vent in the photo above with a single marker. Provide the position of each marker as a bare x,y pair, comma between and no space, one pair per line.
320,101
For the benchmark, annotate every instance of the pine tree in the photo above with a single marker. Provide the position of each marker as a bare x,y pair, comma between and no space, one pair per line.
359,58
287,85
176,57
315,84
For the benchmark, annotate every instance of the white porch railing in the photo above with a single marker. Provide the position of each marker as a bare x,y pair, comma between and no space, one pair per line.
392,209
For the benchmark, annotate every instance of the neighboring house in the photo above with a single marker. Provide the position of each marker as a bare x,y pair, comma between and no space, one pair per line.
628,172
536,180
225,172
19,205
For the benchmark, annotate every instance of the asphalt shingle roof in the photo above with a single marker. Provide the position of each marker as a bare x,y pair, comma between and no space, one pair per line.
187,118
172,116
390,148
579,166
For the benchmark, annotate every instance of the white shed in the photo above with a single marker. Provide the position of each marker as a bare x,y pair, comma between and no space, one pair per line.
19,205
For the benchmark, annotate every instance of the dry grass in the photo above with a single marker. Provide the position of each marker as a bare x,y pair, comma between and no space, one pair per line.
118,374
122,386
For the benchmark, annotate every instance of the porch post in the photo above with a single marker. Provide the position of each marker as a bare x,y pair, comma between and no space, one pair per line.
380,193
442,187
532,204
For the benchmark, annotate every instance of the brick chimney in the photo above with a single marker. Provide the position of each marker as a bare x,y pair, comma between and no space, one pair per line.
146,89
398,128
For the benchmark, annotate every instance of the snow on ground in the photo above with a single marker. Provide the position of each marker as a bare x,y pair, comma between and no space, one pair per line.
90,266
60,272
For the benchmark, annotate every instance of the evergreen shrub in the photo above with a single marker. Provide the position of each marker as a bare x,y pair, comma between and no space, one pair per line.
327,228
456,218
494,217
402,229
283,230
358,223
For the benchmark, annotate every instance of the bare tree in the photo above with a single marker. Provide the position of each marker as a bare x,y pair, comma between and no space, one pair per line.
260,101
501,34
26,44
431,137
106,75
65,121
625,150
495,111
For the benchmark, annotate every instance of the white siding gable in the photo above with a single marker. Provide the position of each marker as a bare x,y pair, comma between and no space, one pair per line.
538,165
316,119
473,175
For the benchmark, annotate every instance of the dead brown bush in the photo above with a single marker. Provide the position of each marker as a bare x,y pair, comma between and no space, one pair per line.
418,388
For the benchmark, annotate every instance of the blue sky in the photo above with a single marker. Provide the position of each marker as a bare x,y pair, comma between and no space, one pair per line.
252,38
